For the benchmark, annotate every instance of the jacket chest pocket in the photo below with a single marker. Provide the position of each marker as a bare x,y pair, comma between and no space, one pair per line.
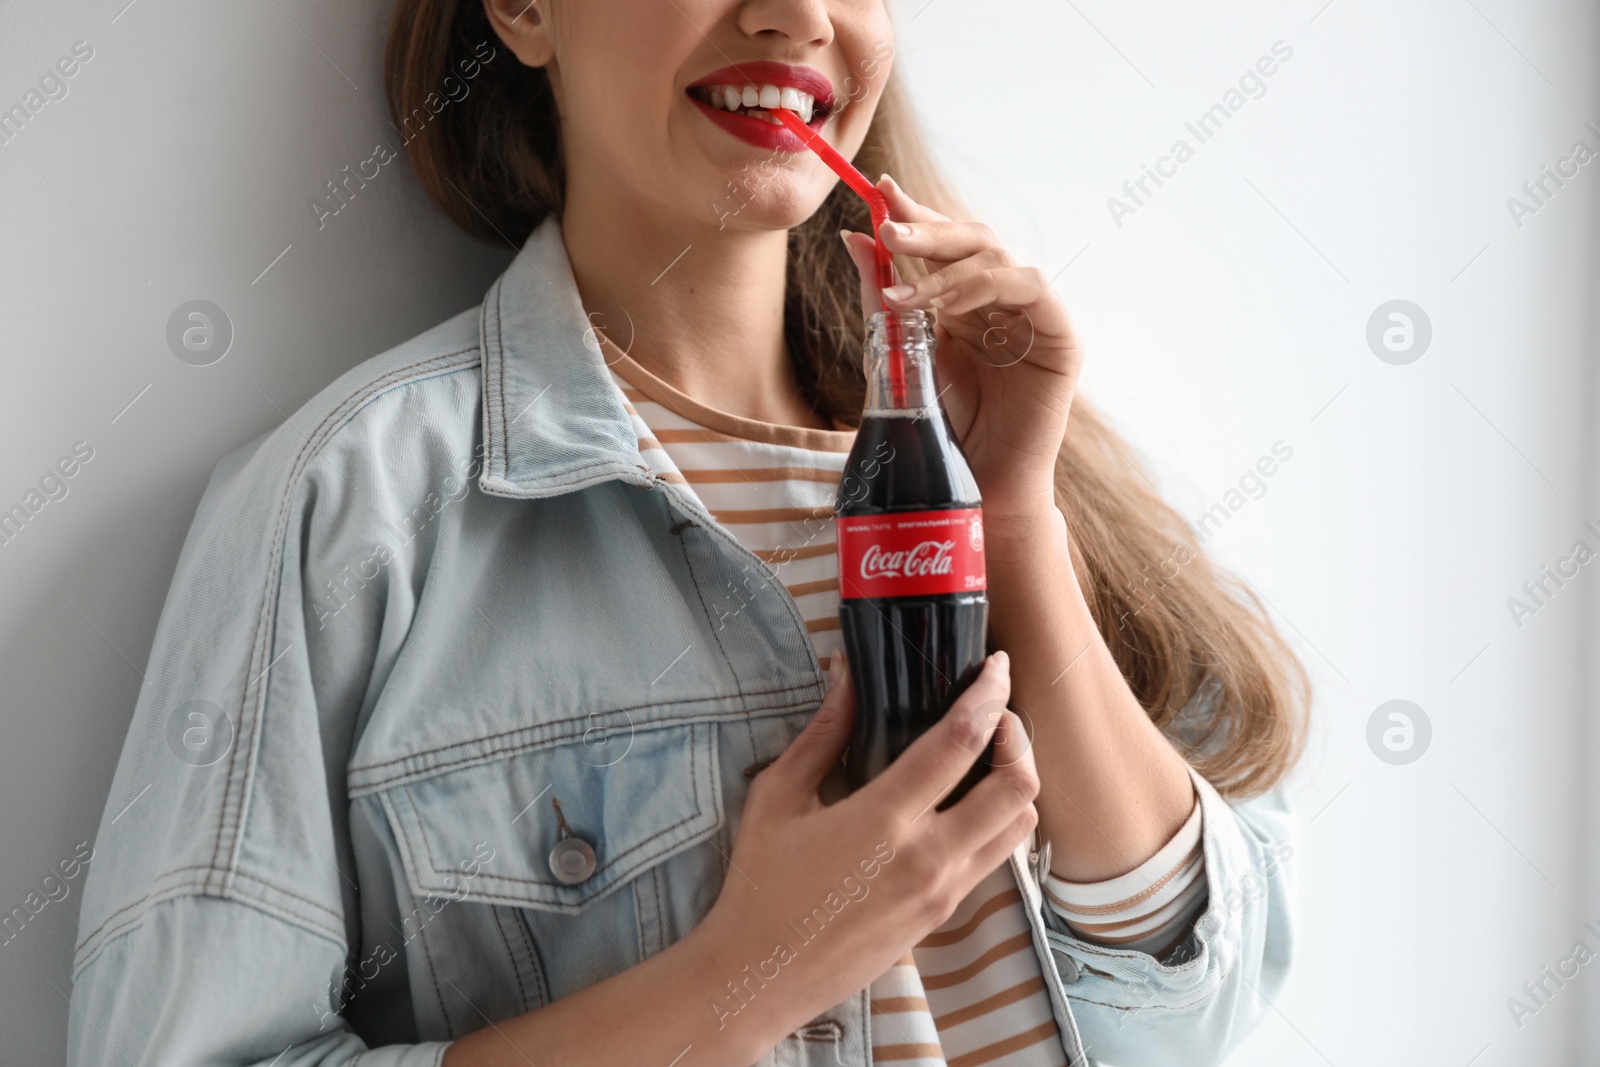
593,864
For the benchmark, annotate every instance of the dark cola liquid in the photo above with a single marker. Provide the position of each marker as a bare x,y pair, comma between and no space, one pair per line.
910,656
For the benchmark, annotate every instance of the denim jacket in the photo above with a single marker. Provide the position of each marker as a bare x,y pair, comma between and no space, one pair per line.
442,620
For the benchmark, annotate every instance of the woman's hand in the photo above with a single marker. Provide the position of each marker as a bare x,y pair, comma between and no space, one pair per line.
819,899
1008,360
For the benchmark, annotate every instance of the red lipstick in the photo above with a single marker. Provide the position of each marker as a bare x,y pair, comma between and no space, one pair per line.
758,72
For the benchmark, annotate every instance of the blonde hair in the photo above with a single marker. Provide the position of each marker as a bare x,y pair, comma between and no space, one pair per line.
1195,645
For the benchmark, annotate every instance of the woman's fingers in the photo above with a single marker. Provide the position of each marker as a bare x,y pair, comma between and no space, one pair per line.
817,749
975,271
863,253
938,760
1006,287
930,236
902,207
995,851
973,283
991,805
927,291
940,241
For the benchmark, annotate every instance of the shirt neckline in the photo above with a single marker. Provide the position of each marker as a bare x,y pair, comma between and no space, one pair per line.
681,403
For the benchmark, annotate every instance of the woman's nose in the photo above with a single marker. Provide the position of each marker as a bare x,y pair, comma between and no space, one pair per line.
801,21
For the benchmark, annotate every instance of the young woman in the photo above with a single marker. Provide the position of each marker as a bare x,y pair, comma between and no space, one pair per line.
490,714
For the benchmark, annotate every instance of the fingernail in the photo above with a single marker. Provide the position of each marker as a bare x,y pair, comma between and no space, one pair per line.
895,229
844,235
899,292
937,302
835,670
1002,659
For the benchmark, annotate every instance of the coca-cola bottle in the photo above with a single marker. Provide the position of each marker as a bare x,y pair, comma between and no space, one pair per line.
909,519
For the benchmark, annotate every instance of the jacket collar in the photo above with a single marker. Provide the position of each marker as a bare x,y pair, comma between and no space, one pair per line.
552,421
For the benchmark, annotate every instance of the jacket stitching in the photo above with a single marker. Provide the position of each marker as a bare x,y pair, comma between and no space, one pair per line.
427,956
1128,1007
700,594
500,376
312,444
514,747
535,963
580,475
176,871
91,945
492,456
639,906
661,919
787,602
516,972
109,919
268,612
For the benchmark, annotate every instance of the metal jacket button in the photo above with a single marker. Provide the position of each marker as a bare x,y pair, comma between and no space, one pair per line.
1066,965
572,860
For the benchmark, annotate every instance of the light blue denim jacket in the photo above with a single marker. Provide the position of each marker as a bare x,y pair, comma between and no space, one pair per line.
442,618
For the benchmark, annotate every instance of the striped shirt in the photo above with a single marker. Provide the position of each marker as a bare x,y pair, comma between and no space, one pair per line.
972,992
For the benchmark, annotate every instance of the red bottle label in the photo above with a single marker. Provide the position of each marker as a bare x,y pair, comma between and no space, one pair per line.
911,553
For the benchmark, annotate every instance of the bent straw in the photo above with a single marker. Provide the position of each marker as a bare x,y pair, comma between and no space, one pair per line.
882,256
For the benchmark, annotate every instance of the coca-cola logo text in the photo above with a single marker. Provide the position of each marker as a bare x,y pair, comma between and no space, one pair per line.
910,553
926,559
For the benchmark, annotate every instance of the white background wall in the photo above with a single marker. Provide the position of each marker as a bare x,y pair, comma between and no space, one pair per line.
1228,313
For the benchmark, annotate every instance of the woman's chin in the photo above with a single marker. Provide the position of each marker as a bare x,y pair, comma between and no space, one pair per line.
753,199
764,222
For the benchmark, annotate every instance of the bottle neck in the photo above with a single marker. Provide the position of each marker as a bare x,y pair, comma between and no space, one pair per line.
914,332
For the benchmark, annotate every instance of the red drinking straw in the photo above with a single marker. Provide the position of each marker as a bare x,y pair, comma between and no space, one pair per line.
880,214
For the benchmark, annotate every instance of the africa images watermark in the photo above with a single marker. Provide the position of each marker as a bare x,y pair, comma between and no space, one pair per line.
342,590
52,486
1203,128
359,975
853,487
52,890
1538,191
1540,991
1252,485
1539,590
342,190
1141,989
754,978
52,86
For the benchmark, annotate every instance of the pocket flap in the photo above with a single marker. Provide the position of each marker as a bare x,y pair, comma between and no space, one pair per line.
634,799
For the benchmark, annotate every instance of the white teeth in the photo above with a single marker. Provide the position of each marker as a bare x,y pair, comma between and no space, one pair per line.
763,97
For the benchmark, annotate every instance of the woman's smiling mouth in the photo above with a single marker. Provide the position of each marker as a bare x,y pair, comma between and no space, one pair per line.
741,98
757,101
